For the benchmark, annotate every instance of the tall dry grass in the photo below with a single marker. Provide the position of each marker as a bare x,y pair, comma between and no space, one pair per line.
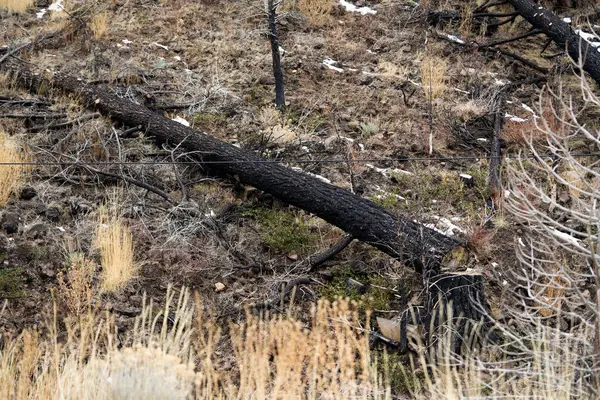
174,354
16,5
317,12
114,240
11,175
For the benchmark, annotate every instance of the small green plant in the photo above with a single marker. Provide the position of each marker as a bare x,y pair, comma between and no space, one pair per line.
284,231
368,129
11,282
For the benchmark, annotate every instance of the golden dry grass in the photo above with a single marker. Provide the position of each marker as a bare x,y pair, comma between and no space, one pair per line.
99,25
11,175
275,358
16,5
433,72
318,12
114,240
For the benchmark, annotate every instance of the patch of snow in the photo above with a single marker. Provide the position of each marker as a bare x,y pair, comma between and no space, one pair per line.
350,140
181,121
466,176
371,51
125,41
56,6
455,39
521,242
361,147
506,193
445,226
460,90
361,10
481,139
527,108
40,14
177,58
591,38
60,228
508,102
281,51
500,82
162,46
329,63
385,171
386,194
515,118
322,178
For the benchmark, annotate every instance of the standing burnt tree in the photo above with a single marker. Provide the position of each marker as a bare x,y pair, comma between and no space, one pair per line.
271,9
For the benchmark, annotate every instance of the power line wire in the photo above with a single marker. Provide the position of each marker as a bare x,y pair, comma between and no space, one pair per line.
289,161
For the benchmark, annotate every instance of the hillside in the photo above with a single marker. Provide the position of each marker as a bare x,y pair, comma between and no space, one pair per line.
396,102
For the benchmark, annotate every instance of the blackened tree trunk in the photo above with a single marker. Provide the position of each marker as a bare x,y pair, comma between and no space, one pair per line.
457,302
404,239
274,40
562,34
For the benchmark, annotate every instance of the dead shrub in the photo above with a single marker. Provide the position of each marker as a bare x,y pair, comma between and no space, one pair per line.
75,285
12,172
16,5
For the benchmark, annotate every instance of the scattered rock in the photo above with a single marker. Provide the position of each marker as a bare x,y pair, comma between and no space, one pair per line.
53,213
47,270
37,231
10,222
365,80
28,193
127,311
136,299
468,180
219,287
79,205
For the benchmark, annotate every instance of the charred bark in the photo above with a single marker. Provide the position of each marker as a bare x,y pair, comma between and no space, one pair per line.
457,302
561,33
274,40
418,246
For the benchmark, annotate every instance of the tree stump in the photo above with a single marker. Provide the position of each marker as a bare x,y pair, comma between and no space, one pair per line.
457,301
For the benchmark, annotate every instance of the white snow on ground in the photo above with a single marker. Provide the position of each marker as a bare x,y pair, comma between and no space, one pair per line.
162,46
527,108
500,82
386,194
567,20
181,121
56,6
455,39
361,10
385,171
589,37
445,226
515,118
330,63
322,178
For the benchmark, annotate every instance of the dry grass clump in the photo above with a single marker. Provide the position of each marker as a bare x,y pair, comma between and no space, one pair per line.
11,175
76,285
115,242
540,362
318,12
16,5
433,72
275,358
99,25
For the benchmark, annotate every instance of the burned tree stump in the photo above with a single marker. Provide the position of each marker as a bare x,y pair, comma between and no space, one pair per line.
457,301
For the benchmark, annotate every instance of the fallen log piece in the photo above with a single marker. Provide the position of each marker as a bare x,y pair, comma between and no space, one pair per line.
416,245
459,298
562,34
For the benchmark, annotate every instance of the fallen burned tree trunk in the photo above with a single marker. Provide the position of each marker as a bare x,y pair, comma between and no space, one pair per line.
418,246
561,33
